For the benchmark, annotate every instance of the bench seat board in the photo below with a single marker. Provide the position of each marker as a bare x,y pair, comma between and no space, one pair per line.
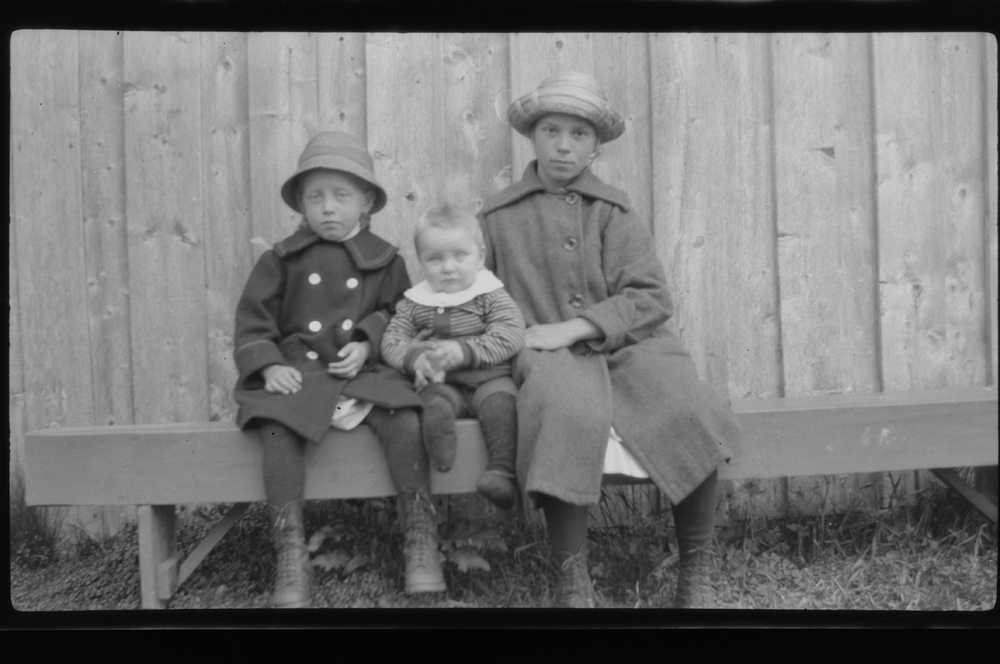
168,464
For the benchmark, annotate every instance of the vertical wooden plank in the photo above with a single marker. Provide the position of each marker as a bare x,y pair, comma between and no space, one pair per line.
826,226
990,145
103,153
15,358
929,133
165,226
713,217
928,90
341,83
226,182
283,117
445,144
45,151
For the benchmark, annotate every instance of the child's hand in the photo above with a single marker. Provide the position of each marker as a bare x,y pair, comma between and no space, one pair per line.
554,336
425,371
355,355
447,355
281,379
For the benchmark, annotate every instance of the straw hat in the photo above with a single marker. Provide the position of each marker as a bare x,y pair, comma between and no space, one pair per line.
572,93
339,152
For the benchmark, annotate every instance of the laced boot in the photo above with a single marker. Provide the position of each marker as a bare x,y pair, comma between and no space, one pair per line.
694,580
573,587
420,543
293,587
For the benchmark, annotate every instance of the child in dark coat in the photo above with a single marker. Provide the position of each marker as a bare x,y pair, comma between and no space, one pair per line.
456,333
597,359
308,332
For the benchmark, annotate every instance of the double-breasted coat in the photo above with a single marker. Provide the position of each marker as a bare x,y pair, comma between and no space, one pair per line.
582,252
305,299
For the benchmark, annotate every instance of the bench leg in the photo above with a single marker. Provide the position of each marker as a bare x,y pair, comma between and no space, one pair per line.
157,544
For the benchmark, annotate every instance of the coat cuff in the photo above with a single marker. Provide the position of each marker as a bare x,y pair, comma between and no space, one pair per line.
613,317
370,329
411,357
253,356
468,357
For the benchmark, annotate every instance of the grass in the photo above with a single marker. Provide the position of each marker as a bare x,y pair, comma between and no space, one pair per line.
933,554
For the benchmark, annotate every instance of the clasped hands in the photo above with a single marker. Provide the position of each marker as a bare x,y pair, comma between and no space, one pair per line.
439,356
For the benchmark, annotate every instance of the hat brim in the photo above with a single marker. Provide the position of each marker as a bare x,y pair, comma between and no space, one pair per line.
333,163
526,111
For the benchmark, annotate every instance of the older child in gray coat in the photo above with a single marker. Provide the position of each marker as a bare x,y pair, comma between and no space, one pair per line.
584,271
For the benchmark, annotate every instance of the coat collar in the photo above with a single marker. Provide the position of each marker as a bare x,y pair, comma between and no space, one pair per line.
367,250
586,184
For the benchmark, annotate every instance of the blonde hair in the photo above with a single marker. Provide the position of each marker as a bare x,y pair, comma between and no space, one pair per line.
449,217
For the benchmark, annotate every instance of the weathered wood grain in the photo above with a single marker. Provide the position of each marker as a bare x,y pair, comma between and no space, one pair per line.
438,147
216,462
341,83
714,218
928,94
825,211
51,279
283,117
990,144
165,226
15,359
102,147
225,163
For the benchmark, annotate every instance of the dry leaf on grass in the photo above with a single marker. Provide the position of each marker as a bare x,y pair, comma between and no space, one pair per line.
356,562
467,559
332,560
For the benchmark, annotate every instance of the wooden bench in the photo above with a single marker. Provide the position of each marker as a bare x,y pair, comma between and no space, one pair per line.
157,467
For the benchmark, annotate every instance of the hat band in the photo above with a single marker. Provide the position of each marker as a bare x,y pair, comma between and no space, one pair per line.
354,154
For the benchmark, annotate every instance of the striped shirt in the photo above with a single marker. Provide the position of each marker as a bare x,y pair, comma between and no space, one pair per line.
489,326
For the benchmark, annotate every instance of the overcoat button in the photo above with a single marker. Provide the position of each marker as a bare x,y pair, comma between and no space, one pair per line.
570,244
440,310
315,326
314,278
312,355
348,324
572,197
352,283
576,301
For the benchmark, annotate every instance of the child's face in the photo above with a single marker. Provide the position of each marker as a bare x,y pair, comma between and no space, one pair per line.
333,203
451,258
564,145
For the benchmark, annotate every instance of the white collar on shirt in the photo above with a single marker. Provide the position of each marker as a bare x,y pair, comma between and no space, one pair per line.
486,282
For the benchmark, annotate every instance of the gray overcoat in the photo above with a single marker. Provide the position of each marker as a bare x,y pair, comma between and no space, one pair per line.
582,252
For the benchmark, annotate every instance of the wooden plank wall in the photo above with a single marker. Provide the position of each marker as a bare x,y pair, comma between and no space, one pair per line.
823,204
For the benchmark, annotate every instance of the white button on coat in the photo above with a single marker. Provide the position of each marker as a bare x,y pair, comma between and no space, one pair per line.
315,326
352,283
312,355
348,324
314,278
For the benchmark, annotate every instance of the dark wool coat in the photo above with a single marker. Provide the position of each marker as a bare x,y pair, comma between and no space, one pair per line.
581,252
305,299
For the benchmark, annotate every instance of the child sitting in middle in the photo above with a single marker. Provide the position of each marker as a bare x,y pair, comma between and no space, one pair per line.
456,333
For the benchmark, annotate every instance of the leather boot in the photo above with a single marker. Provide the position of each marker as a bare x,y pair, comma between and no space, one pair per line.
694,580
574,589
293,587
420,543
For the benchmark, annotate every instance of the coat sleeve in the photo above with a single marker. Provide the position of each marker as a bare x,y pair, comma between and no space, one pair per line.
372,326
257,335
398,338
638,299
503,337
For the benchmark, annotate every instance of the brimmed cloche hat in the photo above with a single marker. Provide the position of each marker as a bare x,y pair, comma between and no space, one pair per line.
339,152
572,93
